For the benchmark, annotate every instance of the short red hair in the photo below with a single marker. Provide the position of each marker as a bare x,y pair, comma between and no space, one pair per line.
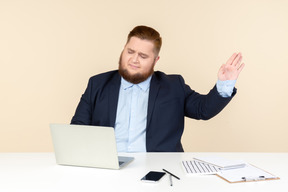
147,33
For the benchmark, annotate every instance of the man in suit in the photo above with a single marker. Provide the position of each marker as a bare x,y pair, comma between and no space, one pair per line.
147,108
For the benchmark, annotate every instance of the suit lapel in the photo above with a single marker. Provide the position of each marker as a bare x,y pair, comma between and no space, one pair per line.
113,98
153,93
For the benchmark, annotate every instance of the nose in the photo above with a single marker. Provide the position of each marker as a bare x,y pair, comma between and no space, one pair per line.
135,58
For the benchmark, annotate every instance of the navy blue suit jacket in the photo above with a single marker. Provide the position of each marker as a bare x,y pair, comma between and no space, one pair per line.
170,100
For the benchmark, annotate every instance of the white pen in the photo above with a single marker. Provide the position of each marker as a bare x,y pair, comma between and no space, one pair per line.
170,178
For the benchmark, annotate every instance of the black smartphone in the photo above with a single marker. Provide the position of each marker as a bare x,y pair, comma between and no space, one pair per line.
153,176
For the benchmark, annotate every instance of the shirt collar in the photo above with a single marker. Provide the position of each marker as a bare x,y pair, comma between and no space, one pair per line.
143,85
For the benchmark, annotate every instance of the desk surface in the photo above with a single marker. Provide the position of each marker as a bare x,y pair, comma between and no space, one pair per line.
39,172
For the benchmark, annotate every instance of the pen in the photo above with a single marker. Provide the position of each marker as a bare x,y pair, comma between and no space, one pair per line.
171,174
170,178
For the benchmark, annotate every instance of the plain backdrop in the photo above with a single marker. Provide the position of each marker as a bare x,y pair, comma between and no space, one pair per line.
50,48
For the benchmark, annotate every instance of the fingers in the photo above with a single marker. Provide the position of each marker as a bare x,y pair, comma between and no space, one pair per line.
235,59
231,59
233,66
241,67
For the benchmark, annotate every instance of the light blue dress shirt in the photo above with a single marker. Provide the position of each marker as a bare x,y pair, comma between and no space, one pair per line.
130,126
131,119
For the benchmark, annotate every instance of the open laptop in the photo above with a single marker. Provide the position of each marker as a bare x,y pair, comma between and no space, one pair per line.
87,146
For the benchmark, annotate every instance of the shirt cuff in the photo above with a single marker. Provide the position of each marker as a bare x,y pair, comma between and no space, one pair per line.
225,88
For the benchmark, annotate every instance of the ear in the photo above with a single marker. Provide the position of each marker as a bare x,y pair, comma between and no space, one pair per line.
156,59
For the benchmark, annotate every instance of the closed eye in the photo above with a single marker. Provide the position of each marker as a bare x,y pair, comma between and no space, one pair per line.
130,51
144,56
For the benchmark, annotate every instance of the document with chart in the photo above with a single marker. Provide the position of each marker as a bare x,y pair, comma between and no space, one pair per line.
195,167
232,171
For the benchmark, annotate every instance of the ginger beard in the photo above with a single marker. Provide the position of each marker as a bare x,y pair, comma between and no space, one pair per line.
134,78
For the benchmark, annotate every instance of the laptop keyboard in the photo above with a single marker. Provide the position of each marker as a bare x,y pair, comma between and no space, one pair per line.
120,163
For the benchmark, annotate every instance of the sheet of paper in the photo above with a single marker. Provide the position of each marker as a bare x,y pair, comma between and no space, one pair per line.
195,167
222,162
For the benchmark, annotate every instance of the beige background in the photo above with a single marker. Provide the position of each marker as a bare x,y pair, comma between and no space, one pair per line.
49,49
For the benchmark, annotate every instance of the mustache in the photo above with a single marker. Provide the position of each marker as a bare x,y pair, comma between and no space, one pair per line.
134,78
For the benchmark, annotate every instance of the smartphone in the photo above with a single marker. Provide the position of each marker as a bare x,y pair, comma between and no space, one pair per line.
153,176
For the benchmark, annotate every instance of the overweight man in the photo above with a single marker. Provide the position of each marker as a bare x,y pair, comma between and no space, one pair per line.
146,107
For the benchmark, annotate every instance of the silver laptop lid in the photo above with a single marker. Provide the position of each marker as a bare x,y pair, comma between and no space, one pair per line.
84,145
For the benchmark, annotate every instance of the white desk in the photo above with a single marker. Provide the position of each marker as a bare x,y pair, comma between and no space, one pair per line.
39,172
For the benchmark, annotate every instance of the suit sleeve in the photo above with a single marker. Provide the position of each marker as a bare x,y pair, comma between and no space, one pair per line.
198,106
83,113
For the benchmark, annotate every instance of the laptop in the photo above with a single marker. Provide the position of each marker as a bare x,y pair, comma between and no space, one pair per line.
86,146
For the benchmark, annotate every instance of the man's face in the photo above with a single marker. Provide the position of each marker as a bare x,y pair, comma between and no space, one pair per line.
137,60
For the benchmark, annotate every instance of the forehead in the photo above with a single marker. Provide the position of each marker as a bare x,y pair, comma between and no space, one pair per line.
140,45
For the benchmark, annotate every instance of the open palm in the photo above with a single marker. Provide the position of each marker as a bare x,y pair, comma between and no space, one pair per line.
232,68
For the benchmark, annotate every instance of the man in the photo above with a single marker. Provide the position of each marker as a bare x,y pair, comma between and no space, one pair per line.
147,108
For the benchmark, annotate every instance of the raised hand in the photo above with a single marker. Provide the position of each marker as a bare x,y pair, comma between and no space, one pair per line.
232,68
